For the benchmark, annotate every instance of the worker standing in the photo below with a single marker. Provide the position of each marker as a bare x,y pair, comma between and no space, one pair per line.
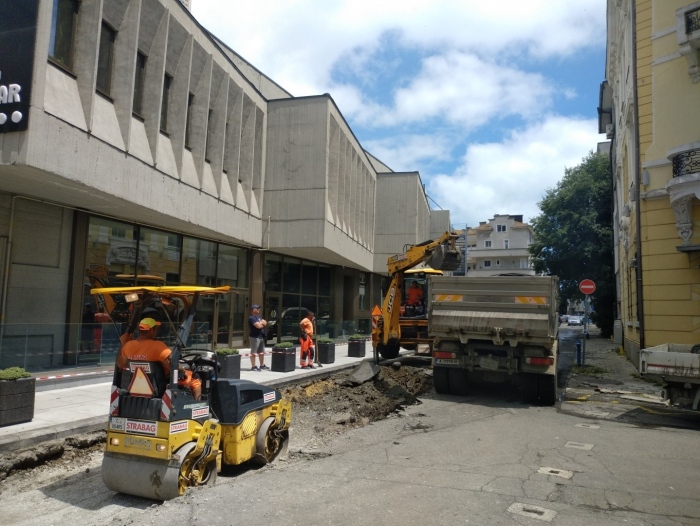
306,329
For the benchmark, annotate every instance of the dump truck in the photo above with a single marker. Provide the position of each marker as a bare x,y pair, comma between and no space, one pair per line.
678,365
495,329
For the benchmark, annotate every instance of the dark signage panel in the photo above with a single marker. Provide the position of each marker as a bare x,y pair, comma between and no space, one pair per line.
17,39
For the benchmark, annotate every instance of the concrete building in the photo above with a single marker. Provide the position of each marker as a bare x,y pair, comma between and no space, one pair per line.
136,147
499,246
649,108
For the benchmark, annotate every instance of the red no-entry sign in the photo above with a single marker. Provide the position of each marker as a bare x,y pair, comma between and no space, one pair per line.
587,286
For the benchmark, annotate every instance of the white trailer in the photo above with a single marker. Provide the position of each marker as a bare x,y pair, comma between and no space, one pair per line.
678,365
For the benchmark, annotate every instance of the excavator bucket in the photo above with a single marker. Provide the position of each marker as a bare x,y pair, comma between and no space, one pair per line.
444,258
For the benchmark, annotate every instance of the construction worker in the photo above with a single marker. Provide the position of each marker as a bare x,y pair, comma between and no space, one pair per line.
191,381
306,329
414,294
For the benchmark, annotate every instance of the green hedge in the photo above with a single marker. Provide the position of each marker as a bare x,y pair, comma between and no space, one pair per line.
13,373
227,351
283,345
323,339
358,337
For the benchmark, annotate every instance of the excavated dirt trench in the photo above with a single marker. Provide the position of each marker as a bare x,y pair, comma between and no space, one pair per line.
322,408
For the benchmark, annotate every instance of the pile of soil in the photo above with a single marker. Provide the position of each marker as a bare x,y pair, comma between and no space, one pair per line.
329,406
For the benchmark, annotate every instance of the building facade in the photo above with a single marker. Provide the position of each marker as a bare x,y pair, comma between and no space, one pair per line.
135,147
499,246
649,108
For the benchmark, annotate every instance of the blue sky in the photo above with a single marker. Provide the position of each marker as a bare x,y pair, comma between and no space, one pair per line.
489,101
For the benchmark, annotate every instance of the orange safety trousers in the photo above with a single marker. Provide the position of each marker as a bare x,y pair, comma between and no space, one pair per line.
306,351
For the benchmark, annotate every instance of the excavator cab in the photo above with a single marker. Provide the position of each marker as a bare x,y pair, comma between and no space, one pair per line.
404,314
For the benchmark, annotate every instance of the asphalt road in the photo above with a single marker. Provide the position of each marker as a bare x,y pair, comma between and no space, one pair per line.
485,459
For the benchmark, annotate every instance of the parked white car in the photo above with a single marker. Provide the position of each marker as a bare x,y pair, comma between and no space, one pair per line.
574,320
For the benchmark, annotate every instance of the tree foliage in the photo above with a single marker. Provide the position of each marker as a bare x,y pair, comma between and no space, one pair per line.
574,236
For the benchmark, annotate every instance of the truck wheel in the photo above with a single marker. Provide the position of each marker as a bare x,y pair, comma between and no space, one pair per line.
441,380
389,351
459,382
547,390
539,389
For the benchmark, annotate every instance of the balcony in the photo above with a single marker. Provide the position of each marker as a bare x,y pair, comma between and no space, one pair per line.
682,189
688,37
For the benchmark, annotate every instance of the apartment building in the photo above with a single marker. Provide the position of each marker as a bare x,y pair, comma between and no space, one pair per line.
137,147
499,246
649,108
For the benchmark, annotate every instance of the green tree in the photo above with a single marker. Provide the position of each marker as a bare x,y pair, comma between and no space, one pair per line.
574,236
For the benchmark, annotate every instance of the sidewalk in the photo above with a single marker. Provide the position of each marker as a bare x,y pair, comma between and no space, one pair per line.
74,402
608,385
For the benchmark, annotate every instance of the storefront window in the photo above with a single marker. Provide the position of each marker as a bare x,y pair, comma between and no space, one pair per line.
291,271
163,261
198,262
232,267
273,273
324,280
309,278
362,293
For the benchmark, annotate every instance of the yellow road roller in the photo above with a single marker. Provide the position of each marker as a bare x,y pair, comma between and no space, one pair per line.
161,439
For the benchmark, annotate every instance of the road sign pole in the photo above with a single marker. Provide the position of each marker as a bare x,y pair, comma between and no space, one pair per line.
585,330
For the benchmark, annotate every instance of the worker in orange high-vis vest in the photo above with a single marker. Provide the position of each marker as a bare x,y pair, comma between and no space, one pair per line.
306,329
191,381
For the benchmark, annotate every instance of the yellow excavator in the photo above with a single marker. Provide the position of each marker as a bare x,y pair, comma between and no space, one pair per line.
394,330
162,440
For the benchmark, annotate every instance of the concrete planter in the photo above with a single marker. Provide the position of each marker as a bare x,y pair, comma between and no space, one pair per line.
326,352
17,401
356,348
284,359
230,366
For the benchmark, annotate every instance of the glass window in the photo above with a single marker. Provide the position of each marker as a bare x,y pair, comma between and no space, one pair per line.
207,156
162,258
309,278
324,280
272,275
167,82
505,243
362,295
139,82
487,244
487,263
291,271
198,262
62,32
232,267
188,122
104,60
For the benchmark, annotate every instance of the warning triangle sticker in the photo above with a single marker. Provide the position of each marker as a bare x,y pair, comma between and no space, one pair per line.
377,311
140,384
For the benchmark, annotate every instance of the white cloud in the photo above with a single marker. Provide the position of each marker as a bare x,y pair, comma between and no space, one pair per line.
304,39
512,176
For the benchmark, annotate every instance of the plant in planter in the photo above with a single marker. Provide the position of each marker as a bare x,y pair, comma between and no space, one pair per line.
230,360
16,396
356,345
325,347
284,357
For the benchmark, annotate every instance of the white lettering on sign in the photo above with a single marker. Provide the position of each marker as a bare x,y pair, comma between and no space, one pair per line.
144,428
178,427
10,93
197,413
146,367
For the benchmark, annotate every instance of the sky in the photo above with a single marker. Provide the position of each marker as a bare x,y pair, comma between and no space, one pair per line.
489,101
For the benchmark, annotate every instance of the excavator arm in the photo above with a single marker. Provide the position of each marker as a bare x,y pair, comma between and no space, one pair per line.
440,254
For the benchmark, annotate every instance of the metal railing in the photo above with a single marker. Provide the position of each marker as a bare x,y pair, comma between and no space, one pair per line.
692,21
50,347
686,163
